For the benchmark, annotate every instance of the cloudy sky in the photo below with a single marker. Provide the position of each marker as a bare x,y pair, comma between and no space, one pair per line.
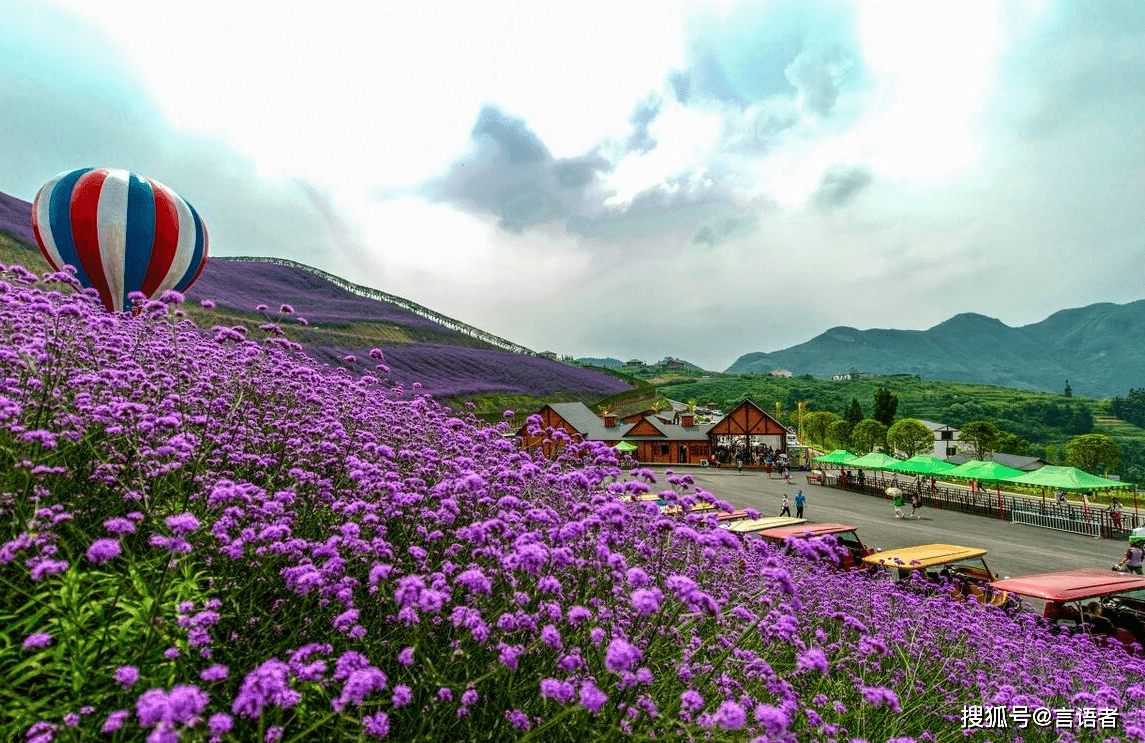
695,179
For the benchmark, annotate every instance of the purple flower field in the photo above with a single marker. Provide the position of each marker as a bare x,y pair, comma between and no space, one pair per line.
446,371
243,285
16,218
445,362
204,537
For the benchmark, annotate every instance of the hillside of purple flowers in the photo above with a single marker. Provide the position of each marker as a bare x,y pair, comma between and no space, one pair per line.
448,371
243,285
444,362
205,537
16,218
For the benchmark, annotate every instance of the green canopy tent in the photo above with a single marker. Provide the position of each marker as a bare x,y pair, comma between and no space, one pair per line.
922,464
990,472
1065,478
625,446
839,457
876,460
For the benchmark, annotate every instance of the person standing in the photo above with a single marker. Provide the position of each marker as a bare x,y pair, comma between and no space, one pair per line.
1133,557
915,505
1115,509
898,503
799,501
786,510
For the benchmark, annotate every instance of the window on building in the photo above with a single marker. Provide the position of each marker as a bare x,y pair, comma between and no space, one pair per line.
948,435
664,449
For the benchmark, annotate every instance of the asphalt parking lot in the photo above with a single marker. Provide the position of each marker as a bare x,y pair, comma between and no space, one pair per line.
1013,549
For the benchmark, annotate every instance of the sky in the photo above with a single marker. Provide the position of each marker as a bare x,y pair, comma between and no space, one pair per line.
690,179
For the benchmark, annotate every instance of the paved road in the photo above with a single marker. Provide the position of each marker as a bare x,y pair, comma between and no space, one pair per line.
1014,549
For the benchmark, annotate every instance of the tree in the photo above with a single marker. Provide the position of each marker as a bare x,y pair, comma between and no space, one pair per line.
839,434
868,435
854,413
910,436
815,425
1068,391
982,436
885,406
1093,450
1010,443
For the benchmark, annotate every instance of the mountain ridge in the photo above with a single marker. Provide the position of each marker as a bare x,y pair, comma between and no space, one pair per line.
1098,348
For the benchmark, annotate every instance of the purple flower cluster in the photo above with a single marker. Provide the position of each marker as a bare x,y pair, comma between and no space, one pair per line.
318,549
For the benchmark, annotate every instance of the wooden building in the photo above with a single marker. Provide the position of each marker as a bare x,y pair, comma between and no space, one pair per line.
750,425
659,441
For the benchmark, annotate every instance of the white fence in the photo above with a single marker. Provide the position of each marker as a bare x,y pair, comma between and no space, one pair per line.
1080,524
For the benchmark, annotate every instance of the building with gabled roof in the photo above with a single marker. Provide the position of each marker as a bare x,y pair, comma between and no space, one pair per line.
658,440
945,439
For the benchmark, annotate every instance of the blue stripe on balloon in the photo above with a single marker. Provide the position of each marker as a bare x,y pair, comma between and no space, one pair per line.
197,257
60,221
140,234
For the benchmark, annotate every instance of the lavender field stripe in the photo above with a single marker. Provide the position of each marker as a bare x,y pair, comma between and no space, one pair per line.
364,291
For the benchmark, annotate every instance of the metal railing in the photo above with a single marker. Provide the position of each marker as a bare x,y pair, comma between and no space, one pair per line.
1087,525
1096,520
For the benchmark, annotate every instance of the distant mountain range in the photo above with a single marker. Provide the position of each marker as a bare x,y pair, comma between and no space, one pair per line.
1100,349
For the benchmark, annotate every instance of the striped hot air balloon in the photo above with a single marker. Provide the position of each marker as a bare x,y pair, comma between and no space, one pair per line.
121,231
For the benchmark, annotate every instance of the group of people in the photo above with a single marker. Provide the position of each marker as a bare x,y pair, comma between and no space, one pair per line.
915,505
800,500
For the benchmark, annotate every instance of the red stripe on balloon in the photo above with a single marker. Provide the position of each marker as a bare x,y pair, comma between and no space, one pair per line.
84,215
166,239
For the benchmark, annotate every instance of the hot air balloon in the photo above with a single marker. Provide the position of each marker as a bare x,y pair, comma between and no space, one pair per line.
121,231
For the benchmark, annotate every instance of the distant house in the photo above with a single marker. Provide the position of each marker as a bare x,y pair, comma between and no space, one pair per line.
548,355
842,377
780,373
657,440
673,364
634,362
945,439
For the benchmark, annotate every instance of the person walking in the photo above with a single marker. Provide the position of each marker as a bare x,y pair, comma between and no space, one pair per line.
1133,557
799,501
915,505
786,510
898,503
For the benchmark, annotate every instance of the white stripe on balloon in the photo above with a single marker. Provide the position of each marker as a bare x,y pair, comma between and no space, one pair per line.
43,223
111,216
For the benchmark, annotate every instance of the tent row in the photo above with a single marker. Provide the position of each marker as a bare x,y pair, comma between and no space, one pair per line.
1050,476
